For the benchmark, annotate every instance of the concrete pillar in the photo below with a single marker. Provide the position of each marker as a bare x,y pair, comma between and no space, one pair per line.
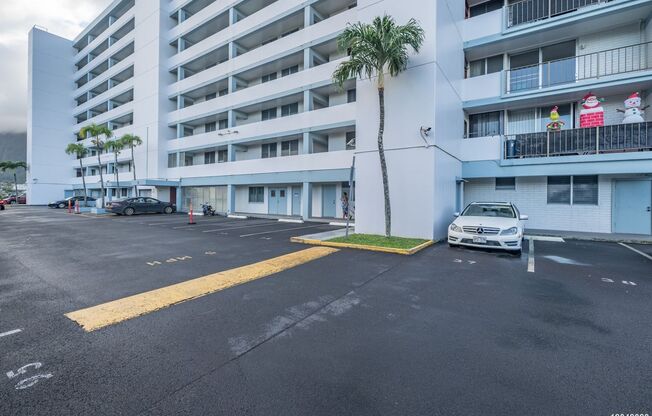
233,50
179,131
306,201
230,198
112,20
233,16
307,143
181,45
110,105
230,152
182,15
232,84
307,58
307,101
231,118
180,102
181,73
179,200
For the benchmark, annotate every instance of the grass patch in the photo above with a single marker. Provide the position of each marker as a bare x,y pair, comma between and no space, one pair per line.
380,241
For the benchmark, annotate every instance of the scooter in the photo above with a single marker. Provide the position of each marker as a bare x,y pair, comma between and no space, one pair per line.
208,210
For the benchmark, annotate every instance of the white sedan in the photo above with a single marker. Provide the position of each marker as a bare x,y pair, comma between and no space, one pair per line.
488,224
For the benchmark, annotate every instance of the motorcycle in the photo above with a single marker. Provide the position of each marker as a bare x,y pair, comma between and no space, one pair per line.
208,210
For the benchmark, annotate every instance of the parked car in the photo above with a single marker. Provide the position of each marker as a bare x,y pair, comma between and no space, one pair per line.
488,224
140,205
11,199
63,203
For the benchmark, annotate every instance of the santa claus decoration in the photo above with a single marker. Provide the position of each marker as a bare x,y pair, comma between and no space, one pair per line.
633,110
592,113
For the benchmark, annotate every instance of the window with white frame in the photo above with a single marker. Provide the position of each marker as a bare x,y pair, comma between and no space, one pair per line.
209,158
290,70
485,124
172,160
573,190
290,148
485,66
268,77
268,114
268,150
289,109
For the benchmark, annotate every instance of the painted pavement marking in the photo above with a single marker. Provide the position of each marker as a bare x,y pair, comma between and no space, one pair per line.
282,230
13,331
530,256
647,256
110,313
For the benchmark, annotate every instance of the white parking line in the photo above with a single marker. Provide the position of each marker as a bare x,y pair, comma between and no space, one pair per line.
280,231
530,256
546,238
13,331
238,228
647,256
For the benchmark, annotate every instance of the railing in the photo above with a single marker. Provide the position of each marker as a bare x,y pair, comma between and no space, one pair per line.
584,141
594,65
528,11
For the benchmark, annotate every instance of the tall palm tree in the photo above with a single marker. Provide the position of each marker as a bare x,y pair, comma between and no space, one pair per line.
96,132
131,141
375,49
80,152
116,147
13,166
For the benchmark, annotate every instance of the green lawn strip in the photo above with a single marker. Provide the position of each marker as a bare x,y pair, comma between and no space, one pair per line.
380,241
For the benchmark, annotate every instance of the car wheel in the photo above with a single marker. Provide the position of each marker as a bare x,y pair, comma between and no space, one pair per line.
12,202
62,205
167,210
129,211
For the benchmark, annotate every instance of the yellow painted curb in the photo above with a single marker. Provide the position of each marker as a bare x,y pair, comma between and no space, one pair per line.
405,252
116,311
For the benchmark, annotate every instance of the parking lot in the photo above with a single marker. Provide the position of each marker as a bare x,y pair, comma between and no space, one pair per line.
563,329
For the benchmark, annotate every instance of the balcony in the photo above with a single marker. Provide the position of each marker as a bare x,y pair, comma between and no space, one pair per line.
529,11
620,138
594,66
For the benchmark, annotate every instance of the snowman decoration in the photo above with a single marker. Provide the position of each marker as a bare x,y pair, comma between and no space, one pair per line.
633,110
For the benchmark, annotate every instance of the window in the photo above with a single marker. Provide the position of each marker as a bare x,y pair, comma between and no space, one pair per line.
268,77
93,172
505,184
351,96
172,160
485,124
559,189
188,131
222,156
486,66
289,109
78,172
290,148
256,194
224,92
209,127
223,124
123,192
289,71
268,114
269,150
290,32
187,160
209,157
113,193
350,140
486,7
585,190
211,96
265,42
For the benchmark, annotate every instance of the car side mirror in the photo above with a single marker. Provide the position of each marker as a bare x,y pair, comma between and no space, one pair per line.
524,217
456,214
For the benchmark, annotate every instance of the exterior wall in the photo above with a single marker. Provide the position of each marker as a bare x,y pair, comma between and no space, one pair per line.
49,117
530,196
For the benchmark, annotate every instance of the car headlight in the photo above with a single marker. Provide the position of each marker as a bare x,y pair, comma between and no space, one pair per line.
455,228
509,231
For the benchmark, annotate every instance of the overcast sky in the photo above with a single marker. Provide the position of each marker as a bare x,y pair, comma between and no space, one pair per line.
65,18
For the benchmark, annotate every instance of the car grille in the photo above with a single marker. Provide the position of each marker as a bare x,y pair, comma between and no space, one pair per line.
485,230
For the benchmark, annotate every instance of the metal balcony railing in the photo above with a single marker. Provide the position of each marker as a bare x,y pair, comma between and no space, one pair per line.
528,11
618,138
594,65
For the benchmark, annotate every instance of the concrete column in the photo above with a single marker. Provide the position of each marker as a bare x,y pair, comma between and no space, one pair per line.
231,118
110,105
306,201
112,20
230,152
307,101
232,84
233,16
307,143
179,131
182,15
307,58
180,102
181,73
181,45
233,50
230,198
179,200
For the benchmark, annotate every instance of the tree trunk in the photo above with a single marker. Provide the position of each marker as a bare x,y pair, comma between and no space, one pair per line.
133,166
99,161
383,162
16,187
81,165
115,168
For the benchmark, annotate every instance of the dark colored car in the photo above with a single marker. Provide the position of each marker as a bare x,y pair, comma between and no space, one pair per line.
140,205
73,199
22,199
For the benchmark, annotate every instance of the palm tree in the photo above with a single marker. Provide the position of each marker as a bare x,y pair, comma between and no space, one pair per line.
374,49
95,132
131,141
13,166
116,147
79,151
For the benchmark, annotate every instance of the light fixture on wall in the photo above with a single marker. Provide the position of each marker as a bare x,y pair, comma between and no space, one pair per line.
425,133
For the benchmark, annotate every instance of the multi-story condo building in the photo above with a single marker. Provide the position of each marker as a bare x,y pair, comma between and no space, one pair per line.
236,106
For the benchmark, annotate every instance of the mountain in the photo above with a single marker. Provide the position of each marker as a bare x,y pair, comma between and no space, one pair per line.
13,146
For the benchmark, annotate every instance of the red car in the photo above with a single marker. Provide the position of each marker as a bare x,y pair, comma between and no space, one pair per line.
22,199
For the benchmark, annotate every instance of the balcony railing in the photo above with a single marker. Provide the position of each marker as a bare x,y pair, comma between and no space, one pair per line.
595,65
528,11
619,138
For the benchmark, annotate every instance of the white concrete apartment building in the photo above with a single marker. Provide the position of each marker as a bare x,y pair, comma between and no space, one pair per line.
236,106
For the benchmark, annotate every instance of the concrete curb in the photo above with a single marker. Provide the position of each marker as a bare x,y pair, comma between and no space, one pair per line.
405,252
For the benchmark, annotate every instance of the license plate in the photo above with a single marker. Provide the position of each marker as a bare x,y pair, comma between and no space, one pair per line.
479,240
